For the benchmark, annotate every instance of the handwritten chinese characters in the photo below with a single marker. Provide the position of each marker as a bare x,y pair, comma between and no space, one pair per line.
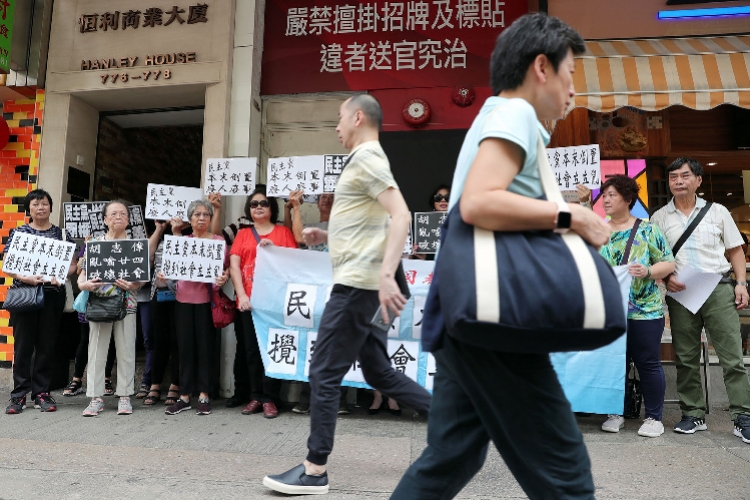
193,259
164,202
295,172
427,226
76,217
149,18
109,261
230,176
576,165
31,255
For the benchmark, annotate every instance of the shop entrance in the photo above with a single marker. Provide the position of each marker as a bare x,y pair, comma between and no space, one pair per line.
135,148
421,160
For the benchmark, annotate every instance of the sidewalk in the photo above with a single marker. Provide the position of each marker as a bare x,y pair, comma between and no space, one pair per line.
225,455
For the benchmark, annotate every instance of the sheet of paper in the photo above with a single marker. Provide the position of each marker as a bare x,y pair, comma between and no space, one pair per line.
230,176
699,287
165,202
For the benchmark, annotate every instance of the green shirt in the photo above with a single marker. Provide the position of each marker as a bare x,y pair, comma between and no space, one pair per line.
649,248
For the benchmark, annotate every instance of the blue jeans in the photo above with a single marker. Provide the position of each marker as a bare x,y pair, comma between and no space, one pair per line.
514,400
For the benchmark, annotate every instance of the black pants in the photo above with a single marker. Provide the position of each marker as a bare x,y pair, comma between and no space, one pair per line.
82,354
644,345
165,342
262,388
36,331
196,336
516,401
345,336
239,368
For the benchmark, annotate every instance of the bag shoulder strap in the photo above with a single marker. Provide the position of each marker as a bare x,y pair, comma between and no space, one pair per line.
689,230
626,253
255,233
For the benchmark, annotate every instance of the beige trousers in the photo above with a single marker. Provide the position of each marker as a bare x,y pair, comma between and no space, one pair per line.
99,335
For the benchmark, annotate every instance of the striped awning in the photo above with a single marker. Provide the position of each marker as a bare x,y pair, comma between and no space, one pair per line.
700,73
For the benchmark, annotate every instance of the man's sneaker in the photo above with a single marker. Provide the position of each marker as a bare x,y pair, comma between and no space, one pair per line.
742,427
614,423
45,402
180,405
95,407
17,405
651,428
296,482
204,407
124,407
302,409
688,425
344,410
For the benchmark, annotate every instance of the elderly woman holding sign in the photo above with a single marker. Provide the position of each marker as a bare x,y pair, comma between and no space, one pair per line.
264,212
111,312
35,330
196,333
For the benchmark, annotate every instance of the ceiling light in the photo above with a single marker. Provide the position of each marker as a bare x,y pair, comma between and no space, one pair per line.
712,164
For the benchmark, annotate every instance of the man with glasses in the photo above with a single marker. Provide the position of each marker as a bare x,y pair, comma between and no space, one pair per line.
704,250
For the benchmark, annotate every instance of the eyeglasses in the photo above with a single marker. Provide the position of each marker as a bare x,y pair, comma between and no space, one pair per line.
261,203
440,197
115,215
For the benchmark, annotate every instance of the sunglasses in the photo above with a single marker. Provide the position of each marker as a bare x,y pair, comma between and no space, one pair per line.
261,203
440,197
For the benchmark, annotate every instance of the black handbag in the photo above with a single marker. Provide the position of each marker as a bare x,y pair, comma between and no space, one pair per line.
106,309
633,395
526,291
24,298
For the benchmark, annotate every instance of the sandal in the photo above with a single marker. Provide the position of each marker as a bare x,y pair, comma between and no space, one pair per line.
143,391
108,389
170,399
152,397
74,388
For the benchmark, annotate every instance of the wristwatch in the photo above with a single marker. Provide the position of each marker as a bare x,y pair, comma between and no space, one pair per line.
742,283
562,221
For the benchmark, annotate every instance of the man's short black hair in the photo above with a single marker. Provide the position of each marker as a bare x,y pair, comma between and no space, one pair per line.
370,107
694,165
518,46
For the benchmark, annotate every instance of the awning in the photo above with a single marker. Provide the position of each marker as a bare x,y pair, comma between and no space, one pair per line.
700,73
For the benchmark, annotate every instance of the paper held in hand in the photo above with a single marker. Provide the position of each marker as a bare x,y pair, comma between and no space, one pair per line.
698,288
192,259
230,176
32,255
165,202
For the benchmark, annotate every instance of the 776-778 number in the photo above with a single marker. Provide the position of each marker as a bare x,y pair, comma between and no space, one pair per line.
145,76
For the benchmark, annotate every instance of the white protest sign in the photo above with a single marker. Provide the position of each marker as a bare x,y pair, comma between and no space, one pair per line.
295,172
576,165
32,255
230,176
165,202
192,259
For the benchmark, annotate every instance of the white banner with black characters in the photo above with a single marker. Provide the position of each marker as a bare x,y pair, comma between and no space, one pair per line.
165,202
192,259
32,255
136,229
109,261
427,227
291,173
296,285
230,176
576,165
76,217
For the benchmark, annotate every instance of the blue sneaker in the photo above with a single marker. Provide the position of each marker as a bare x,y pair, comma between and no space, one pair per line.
296,482
742,428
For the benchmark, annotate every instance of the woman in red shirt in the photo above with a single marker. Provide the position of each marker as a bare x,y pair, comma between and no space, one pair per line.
264,212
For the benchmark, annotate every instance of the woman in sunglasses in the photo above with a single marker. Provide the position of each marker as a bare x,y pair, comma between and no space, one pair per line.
440,197
264,212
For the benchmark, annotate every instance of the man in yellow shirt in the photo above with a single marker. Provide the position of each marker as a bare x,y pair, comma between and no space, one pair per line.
365,252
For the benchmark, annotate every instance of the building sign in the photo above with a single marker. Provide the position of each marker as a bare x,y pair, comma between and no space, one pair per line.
342,45
149,18
6,33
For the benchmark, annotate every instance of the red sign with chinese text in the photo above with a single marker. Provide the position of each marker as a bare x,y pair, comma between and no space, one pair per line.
332,45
